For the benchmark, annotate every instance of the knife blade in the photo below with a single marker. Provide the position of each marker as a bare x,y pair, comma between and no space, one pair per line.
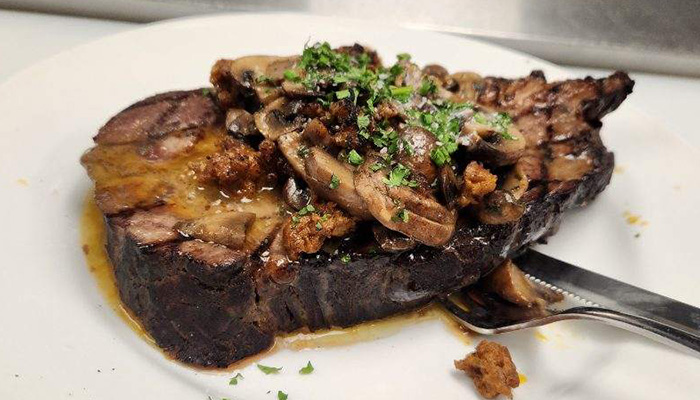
610,293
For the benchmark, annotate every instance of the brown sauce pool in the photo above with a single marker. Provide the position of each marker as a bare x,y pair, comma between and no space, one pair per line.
93,238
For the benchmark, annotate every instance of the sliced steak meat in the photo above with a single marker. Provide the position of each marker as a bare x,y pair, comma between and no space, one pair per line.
210,305
159,115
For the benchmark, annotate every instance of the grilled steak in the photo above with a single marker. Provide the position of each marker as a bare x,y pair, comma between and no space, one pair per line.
325,190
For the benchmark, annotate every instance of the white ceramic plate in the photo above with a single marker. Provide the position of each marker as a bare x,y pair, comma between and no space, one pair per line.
60,339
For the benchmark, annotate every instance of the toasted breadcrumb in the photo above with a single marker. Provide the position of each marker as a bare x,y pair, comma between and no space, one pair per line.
478,182
491,369
308,233
235,165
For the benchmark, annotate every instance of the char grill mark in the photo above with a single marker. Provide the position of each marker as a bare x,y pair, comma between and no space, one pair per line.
210,305
159,115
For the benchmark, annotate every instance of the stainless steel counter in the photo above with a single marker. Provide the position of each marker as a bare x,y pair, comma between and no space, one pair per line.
644,35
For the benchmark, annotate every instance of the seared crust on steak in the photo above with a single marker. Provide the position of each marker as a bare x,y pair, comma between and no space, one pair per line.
211,305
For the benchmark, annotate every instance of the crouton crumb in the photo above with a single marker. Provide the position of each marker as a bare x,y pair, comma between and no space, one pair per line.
491,369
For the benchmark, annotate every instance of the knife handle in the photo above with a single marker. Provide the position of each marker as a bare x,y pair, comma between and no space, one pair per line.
651,328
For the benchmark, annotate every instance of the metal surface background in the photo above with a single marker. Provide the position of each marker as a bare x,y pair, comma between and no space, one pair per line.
646,35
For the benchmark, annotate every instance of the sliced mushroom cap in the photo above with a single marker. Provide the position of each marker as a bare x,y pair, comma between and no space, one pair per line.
333,180
403,209
418,144
294,195
516,182
500,207
255,75
449,186
436,70
240,122
484,143
315,132
467,86
278,118
392,241
411,75
297,89
261,230
511,284
291,146
228,229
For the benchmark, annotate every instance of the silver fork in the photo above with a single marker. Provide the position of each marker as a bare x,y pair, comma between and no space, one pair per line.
587,295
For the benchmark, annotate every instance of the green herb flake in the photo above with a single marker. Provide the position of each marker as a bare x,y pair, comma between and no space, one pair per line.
376,166
355,158
402,216
345,259
281,395
292,76
362,121
307,209
303,151
234,380
206,92
440,156
402,93
502,122
342,94
399,177
307,369
403,57
319,226
335,182
427,87
264,79
269,370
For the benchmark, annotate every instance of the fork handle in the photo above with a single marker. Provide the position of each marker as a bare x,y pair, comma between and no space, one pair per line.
651,328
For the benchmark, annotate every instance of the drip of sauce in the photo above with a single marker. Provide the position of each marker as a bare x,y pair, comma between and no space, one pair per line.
522,378
93,239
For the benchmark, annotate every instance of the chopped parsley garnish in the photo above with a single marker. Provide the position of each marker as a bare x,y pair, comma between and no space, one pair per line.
269,370
443,123
342,94
427,87
206,92
499,122
264,79
502,122
291,76
376,166
307,369
335,182
399,177
343,76
345,258
355,158
401,93
234,380
362,121
319,224
402,216
303,151
281,395
307,209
